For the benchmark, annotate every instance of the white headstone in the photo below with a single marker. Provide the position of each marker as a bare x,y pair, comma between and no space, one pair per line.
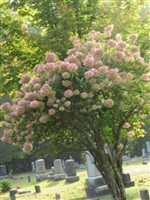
70,167
148,147
144,155
33,166
92,170
40,166
58,166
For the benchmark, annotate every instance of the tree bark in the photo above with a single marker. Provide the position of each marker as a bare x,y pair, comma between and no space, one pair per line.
111,172
110,166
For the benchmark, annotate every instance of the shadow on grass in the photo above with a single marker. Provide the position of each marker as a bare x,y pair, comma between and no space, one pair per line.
103,197
52,183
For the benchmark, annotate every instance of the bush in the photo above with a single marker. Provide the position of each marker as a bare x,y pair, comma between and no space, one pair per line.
5,185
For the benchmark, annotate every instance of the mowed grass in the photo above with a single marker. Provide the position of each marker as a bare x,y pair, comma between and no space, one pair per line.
76,191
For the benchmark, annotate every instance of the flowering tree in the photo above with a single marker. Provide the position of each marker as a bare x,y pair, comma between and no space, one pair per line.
100,92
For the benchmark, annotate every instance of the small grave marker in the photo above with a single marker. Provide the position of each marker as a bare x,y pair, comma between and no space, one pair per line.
29,179
57,196
12,194
37,189
144,194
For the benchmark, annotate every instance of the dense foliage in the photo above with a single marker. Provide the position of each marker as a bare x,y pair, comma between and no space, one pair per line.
100,92
30,28
99,74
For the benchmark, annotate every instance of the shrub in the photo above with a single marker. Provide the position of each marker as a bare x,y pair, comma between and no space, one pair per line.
5,185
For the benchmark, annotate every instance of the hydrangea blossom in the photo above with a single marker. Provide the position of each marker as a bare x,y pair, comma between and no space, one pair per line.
131,133
98,76
27,147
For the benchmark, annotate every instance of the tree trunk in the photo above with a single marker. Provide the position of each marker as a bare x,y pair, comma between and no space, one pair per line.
111,172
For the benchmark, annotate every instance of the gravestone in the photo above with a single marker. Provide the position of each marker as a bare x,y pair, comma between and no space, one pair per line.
144,194
127,180
3,171
71,171
33,167
144,156
125,158
12,194
57,196
37,188
95,182
59,171
40,170
148,147
29,179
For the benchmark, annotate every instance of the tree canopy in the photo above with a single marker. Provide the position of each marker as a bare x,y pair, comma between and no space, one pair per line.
99,93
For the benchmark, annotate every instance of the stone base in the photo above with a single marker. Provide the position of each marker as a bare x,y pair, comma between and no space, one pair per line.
50,177
58,177
3,177
102,190
90,193
51,173
93,192
144,162
129,184
95,181
127,180
71,179
126,177
41,177
21,191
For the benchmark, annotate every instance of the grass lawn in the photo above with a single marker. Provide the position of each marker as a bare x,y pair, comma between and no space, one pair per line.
75,191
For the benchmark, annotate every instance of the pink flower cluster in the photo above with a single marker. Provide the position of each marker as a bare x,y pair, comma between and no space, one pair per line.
46,90
145,77
126,125
94,35
133,37
131,133
43,118
108,30
50,57
89,61
24,79
93,70
88,74
108,103
73,59
5,106
112,43
66,75
84,95
27,147
52,111
68,93
36,104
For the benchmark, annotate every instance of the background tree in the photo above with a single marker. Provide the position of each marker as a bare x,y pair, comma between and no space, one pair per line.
127,17
30,28
99,93
19,49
